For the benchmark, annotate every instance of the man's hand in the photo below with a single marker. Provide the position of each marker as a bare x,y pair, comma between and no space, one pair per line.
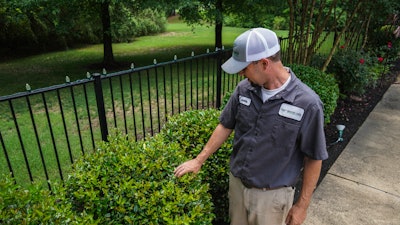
296,215
218,137
193,165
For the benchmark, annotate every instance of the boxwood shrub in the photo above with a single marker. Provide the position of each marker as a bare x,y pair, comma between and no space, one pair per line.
325,85
128,182
191,131
35,205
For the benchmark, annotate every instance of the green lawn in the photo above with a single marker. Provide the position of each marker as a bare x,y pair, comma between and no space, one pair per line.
51,68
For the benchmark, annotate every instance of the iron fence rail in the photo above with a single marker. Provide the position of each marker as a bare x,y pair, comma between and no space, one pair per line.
44,131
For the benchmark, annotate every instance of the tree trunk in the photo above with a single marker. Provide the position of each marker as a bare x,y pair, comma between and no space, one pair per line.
290,50
108,59
218,25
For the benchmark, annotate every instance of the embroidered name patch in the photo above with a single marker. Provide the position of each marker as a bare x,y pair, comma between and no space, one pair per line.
291,111
244,100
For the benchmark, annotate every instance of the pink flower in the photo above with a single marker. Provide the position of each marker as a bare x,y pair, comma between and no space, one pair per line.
362,61
389,44
380,59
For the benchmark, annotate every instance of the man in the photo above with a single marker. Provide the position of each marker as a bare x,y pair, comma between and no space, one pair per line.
279,135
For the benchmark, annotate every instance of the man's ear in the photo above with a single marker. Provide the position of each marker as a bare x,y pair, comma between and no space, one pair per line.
265,63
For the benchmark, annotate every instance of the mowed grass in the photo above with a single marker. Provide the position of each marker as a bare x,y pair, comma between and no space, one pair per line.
52,68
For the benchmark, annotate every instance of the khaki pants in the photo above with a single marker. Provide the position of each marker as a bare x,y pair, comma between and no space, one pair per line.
251,206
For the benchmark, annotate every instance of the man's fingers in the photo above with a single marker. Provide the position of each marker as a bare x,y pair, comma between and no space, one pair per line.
180,171
189,166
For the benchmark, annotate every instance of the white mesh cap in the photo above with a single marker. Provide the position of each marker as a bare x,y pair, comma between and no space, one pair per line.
250,46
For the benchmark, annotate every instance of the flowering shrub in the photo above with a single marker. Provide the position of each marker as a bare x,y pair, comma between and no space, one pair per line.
351,70
386,55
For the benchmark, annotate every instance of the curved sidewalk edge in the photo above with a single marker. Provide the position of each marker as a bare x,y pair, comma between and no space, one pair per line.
363,186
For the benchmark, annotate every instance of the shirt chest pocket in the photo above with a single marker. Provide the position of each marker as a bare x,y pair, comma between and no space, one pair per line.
284,132
246,118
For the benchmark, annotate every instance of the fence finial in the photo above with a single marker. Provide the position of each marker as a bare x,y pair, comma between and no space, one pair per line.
175,57
132,65
88,75
208,50
28,87
192,53
104,71
67,79
155,61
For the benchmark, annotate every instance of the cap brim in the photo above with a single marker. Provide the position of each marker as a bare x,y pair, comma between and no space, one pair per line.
233,66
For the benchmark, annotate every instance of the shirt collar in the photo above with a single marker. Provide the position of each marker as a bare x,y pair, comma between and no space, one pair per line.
288,94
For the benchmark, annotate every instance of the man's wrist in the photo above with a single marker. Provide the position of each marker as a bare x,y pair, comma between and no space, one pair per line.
199,161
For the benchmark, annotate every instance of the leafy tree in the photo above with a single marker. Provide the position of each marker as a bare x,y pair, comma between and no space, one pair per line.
311,22
204,12
61,23
104,9
26,23
212,12
257,13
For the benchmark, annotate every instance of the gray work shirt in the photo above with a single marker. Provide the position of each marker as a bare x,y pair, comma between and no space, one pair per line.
272,137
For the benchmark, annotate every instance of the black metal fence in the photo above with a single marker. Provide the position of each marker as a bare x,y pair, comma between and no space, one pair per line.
44,131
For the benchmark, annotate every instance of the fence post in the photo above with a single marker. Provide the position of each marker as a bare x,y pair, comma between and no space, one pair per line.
98,88
219,78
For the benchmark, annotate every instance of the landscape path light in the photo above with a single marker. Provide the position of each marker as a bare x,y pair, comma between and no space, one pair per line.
340,129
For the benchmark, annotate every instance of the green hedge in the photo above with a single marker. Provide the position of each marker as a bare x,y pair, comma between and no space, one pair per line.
123,182
191,131
34,205
127,182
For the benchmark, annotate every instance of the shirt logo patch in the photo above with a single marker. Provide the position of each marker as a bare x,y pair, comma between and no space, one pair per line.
244,100
291,111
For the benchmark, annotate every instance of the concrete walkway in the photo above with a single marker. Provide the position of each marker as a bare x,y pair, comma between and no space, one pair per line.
363,186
